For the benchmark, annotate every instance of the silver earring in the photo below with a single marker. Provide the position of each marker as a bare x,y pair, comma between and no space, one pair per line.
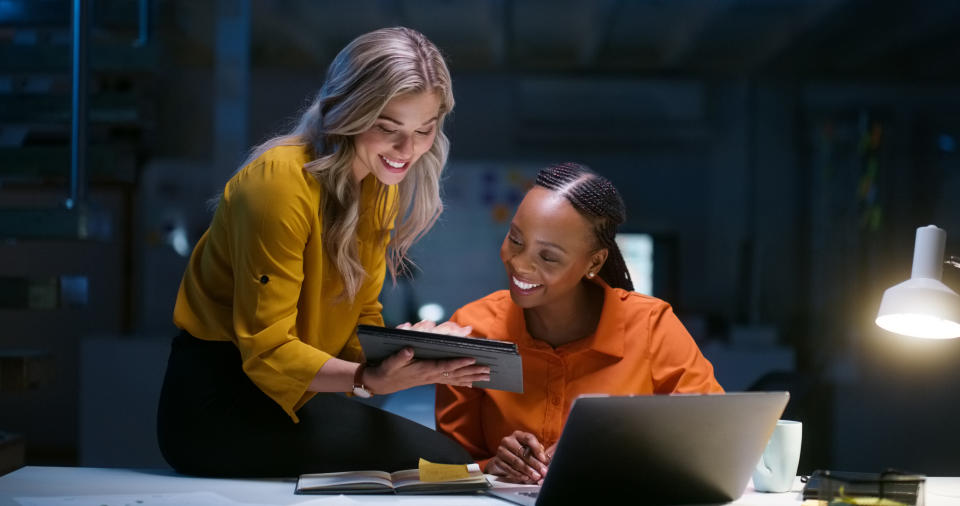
590,275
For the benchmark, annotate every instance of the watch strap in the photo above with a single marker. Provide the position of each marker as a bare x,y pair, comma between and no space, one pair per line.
358,378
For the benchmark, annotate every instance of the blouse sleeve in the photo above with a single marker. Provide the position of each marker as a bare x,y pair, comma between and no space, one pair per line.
678,364
458,415
272,214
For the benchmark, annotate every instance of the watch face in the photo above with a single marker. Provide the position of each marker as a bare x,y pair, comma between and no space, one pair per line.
359,391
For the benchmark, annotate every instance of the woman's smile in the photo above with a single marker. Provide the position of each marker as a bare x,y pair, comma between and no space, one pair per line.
395,166
521,287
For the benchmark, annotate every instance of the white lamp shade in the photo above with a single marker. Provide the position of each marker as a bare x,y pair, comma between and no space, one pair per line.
920,307
923,306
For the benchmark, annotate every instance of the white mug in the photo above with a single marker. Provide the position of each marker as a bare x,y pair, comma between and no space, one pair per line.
778,465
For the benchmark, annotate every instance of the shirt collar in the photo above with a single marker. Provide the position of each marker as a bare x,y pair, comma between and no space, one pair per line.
610,334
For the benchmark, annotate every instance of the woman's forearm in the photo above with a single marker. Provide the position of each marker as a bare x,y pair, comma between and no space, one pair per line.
336,375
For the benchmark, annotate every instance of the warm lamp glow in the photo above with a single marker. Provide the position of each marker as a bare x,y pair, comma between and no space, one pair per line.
923,306
919,325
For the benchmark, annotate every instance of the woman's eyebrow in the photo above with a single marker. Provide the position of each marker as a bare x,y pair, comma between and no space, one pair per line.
388,118
552,245
516,230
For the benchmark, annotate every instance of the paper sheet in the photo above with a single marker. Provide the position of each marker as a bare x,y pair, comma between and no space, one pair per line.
172,499
442,472
339,500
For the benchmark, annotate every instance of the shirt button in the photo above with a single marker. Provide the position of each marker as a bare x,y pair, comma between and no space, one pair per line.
264,279
556,401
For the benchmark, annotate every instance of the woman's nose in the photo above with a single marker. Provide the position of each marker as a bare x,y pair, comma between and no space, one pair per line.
520,264
404,145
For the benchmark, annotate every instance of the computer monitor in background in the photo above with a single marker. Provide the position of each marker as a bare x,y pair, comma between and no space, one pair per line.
651,259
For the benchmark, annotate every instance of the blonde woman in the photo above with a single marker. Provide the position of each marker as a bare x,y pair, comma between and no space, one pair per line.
294,259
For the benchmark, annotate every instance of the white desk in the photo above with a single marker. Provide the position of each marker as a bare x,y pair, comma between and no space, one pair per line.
93,486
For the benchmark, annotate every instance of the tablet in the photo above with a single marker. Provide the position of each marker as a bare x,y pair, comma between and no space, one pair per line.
506,368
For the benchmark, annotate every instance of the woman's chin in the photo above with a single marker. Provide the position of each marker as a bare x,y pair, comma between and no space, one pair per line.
525,301
390,178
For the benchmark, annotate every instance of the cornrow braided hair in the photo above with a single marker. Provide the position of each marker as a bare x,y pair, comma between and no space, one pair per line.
596,198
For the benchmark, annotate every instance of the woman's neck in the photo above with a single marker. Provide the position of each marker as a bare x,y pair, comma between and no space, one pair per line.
569,319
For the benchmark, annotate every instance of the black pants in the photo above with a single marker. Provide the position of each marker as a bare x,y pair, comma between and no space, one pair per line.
213,421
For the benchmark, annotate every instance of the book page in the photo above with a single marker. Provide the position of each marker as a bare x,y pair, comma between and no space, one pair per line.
345,480
405,477
411,478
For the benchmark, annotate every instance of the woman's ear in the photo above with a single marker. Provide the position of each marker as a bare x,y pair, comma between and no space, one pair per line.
597,260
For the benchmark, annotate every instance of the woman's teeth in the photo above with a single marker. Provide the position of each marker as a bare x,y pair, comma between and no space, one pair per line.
524,286
395,165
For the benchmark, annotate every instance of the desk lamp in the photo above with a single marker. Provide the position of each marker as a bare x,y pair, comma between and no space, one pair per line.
923,306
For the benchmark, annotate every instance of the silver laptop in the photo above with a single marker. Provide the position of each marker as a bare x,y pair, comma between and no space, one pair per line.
656,449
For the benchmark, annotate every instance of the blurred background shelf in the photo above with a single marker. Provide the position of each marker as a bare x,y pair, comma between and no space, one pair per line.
66,267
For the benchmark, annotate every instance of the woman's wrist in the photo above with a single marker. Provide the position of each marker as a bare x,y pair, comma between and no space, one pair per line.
371,379
336,375
360,387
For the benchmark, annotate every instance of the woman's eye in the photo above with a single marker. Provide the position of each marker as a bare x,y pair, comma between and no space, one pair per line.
548,259
514,241
428,132
385,129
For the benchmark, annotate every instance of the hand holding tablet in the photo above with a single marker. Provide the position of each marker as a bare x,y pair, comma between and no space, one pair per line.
503,359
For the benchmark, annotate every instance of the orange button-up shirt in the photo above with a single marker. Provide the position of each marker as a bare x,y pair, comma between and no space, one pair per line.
639,347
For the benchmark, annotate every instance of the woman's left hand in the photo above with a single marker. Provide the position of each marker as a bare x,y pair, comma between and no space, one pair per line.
520,458
448,327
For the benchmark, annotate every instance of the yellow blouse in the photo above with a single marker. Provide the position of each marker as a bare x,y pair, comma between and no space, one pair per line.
259,276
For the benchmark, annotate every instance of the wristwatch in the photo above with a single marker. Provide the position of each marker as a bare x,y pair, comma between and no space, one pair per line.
359,389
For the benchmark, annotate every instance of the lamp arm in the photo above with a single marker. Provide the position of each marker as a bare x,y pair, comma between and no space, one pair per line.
953,261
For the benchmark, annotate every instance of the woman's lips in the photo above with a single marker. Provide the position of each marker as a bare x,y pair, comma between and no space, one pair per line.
522,287
393,165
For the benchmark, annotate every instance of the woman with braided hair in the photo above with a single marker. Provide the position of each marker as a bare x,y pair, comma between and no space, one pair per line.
578,325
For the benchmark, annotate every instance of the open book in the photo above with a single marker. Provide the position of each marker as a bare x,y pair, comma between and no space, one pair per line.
406,481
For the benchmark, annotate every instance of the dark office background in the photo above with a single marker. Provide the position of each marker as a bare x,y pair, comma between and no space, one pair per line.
783,152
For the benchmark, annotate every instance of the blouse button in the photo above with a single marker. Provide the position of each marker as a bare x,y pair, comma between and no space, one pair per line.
264,279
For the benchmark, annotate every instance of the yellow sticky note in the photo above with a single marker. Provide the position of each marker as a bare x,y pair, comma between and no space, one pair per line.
442,472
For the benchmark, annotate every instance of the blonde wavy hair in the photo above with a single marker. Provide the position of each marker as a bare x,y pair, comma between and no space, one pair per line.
366,74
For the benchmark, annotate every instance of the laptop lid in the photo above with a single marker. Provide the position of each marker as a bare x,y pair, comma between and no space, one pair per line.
661,449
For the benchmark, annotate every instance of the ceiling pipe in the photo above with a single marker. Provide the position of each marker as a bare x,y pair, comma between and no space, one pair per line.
78,125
